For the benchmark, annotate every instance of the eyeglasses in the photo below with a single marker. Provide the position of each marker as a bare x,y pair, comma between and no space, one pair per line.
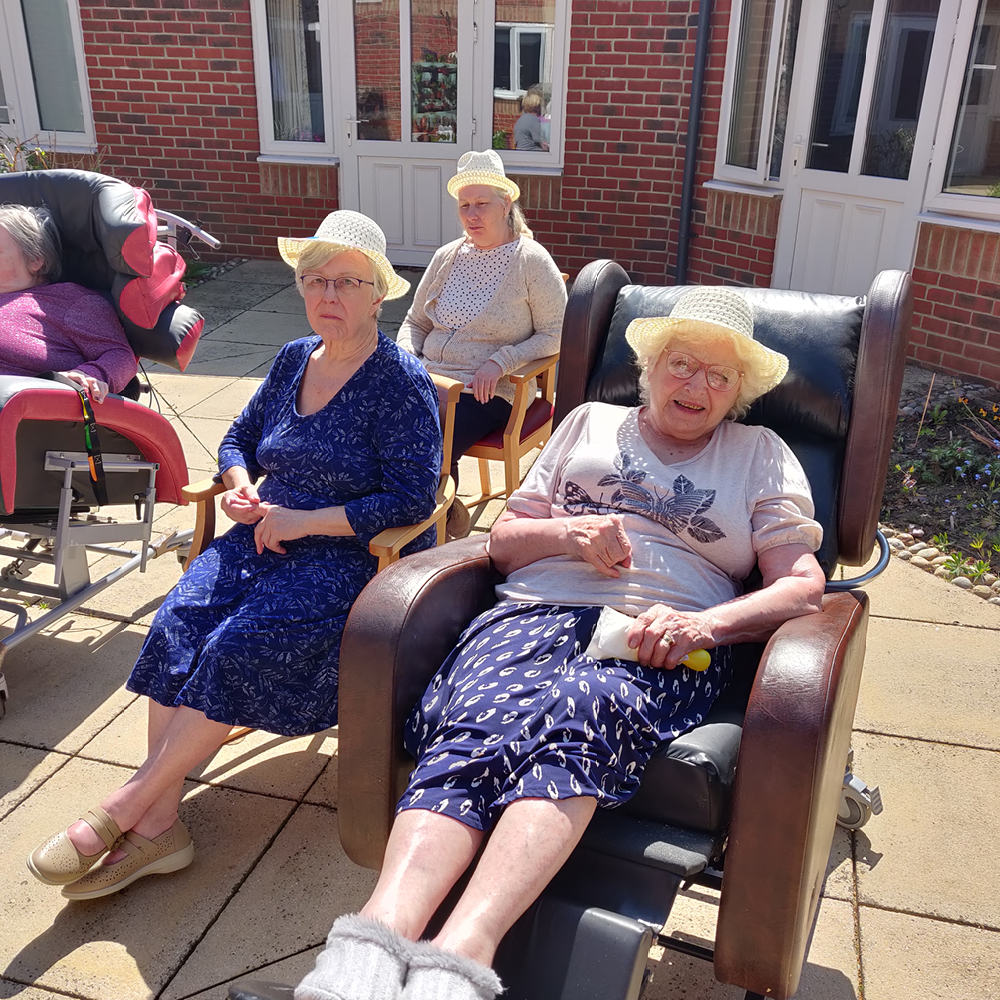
316,284
722,378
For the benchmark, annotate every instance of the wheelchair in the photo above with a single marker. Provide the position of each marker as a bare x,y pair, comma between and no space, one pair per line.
745,803
111,243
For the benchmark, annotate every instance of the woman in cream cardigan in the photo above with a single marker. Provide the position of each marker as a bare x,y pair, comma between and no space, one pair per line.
487,304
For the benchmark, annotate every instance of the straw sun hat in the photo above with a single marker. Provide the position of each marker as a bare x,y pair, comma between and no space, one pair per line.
355,231
710,313
482,168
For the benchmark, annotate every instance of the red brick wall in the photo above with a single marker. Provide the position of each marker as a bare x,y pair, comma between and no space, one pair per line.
626,120
956,314
175,108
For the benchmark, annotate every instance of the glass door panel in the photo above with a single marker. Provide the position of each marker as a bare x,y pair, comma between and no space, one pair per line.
838,90
376,70
907,40
434,70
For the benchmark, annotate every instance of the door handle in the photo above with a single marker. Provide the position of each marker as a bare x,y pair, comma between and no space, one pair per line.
798,150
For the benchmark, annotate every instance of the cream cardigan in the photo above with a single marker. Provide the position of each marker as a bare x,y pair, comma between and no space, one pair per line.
521,323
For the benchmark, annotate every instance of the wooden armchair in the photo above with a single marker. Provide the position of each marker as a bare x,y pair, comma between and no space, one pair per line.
387,544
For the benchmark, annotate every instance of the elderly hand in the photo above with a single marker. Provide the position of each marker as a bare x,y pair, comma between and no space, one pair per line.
279,524
94,387
242,504
662,637
600,540
484,382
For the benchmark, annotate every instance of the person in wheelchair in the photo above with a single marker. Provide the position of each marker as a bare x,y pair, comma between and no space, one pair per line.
345,431
655,512
52,326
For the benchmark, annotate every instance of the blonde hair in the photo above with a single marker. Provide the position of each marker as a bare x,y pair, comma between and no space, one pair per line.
516,221
531,101
318,254
651,345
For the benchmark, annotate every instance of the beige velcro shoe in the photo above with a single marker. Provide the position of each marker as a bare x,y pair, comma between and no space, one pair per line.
167,853
58,862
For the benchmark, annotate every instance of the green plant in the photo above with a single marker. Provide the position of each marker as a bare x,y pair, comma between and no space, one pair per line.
978,569
940,541
955,563
21,154
938,414
978,541
499,139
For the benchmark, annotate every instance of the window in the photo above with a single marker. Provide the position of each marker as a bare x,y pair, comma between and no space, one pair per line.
527,82
293,107
965,171
43,87
760,56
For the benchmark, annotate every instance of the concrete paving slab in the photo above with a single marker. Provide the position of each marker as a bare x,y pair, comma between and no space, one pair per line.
200,437
839,880
180,392
948,692
904,956
289,971
909,593
9,989
272,329
830,971
22,770
228,402
303,883
135,598
325,790
288,300
125,946
66,684
232,294
262,762
226,357
934,851
273,272
215,316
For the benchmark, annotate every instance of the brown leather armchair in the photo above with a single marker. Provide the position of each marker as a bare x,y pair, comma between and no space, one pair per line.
746,802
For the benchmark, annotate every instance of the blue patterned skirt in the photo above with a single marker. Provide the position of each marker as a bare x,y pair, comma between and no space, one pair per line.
517,710
254,640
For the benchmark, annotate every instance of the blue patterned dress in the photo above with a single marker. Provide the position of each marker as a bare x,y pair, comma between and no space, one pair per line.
254,640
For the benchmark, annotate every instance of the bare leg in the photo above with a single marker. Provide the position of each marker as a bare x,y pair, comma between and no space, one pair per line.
147,802
531,841
425,856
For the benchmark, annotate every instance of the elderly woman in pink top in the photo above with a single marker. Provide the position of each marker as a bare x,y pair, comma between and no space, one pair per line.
52,326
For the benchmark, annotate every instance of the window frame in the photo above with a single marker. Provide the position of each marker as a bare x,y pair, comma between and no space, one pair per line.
937,200
19,87
284,151
522,161
519,28
724,171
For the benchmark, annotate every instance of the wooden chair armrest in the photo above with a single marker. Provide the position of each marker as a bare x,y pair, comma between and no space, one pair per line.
533,368
399,631
205,489
789,777
451,387
389,542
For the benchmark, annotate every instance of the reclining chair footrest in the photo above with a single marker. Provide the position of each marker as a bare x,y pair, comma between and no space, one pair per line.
681,852
562,950
255,989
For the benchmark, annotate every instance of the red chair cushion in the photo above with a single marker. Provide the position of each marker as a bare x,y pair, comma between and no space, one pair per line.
538,415
142,299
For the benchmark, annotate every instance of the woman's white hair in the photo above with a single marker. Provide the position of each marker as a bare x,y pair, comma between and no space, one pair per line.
318,254
651,346
36,237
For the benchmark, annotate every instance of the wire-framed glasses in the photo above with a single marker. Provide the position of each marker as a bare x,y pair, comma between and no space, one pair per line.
316,284
722,378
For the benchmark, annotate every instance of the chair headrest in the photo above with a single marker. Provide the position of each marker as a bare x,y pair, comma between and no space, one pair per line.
810,409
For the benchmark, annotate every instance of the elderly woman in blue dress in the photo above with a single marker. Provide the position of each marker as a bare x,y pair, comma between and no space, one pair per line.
345,432
542,713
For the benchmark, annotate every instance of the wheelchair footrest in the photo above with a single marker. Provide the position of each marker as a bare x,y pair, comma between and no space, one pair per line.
254,989
562,950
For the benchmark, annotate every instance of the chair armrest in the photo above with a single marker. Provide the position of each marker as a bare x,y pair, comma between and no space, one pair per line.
533,368
389,542
401,628
204,489
788,782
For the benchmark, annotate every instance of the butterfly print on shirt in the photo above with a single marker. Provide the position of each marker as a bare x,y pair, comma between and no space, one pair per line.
682,510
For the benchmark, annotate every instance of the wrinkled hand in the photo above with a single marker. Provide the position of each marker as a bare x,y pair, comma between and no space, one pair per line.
484,382
600,540
279,524
94,387
242,505
662,637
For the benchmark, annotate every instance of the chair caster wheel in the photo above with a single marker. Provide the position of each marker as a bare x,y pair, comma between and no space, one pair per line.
858,802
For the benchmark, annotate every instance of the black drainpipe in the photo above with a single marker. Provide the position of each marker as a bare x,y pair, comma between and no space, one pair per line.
691,150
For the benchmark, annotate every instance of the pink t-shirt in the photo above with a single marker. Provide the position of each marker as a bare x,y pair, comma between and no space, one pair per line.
696,526
63,327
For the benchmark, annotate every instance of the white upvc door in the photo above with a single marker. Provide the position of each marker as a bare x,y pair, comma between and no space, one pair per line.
403,114
869,77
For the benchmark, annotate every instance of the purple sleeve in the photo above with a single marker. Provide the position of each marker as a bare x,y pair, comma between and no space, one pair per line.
101,340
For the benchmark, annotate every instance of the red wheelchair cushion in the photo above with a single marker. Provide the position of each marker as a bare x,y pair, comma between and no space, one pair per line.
539,413
142,299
